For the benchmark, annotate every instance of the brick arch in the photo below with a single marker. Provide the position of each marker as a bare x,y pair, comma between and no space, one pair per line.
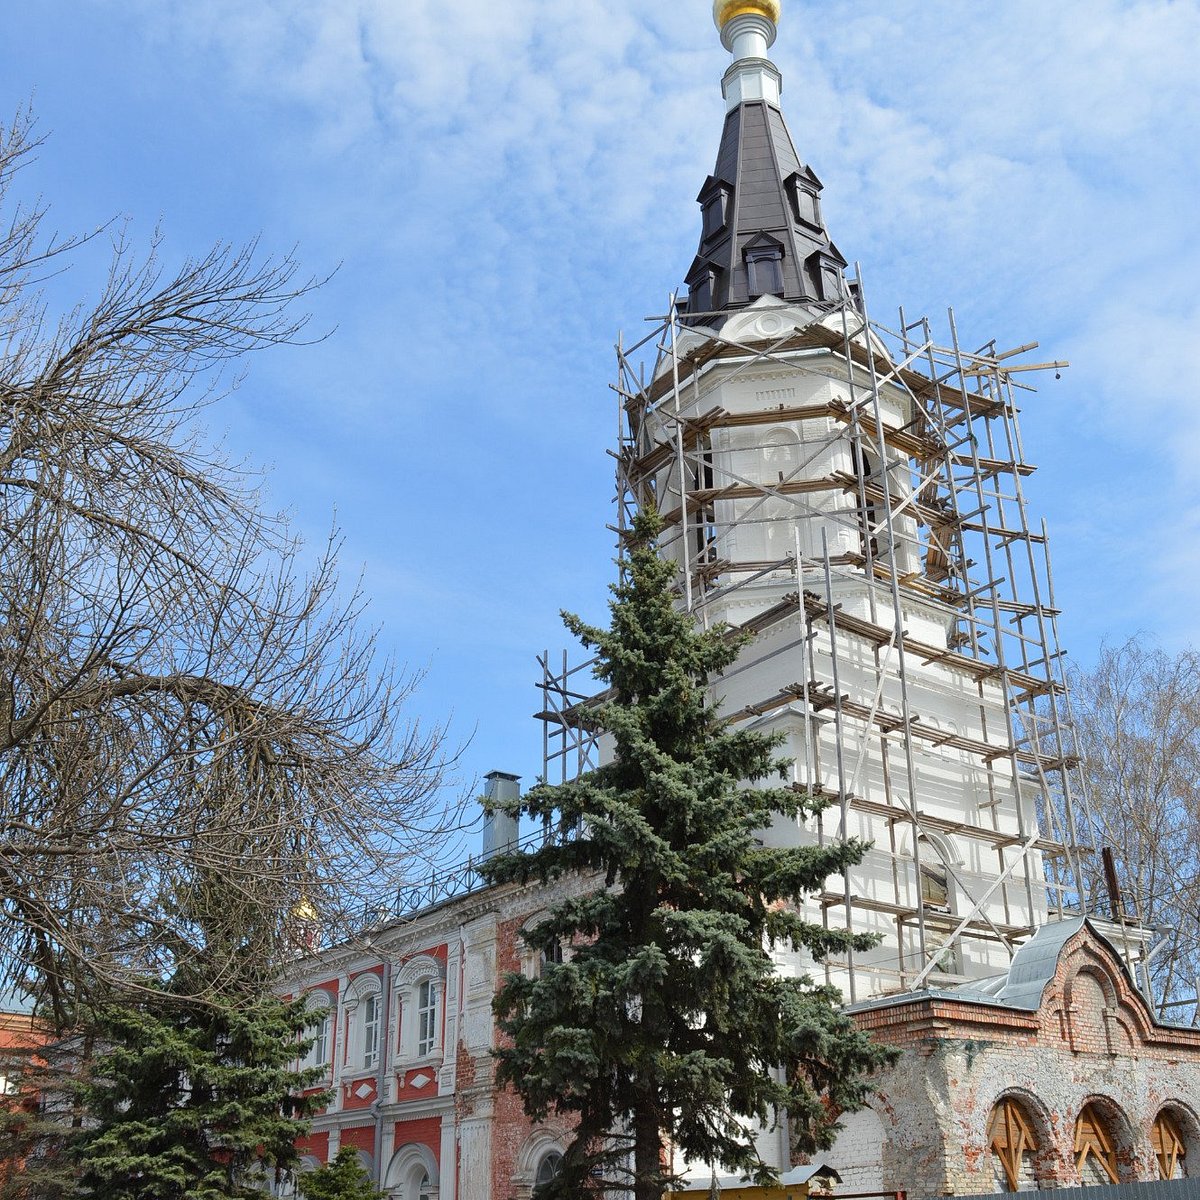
1116,1125
1099,1021
1092,972
1039,1163
859,1153
1183,1120
1097,963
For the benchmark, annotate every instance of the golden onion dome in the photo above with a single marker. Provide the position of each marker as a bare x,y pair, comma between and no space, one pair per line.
725,10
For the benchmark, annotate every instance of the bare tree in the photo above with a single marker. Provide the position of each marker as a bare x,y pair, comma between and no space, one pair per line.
1138,718
179,704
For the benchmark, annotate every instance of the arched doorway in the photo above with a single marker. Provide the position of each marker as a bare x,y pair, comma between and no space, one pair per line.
412,1174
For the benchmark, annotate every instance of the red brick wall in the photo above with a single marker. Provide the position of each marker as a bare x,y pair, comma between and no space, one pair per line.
361,1137
427,1131
316,1145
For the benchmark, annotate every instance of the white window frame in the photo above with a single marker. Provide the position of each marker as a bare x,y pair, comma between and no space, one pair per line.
362,1056
320,1052
421,1027
410,1167
370,1030
427,1014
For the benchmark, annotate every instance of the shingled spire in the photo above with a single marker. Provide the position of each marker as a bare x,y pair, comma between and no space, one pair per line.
762,232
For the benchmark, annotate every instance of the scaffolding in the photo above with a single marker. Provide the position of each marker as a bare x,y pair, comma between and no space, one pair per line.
905,495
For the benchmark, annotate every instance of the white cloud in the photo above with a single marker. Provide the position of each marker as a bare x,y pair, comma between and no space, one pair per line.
509,181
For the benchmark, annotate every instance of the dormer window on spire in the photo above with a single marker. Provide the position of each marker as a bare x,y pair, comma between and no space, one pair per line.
702,289
826,268
715,203
804,194
764,267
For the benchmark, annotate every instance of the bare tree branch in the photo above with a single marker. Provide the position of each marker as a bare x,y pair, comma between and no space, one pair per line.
179,702
1138,717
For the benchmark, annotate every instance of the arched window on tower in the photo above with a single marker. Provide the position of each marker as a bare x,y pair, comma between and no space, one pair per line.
868,510
935,885
781,463
937,903
1013,1145
705,529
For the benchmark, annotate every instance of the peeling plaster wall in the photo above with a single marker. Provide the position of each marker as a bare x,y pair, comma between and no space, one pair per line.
1091,1040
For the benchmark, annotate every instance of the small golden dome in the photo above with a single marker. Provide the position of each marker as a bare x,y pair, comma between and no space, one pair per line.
725,10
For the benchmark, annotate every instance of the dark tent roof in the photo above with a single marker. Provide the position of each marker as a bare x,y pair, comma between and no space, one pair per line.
762,228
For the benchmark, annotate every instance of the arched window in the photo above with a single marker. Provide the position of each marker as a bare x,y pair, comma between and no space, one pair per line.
937,901
1013,1145
549,1168
419,993
1095,1151
549,956
370,1030
364,1006
427,1011
320,1005
935,885
781,464
1167,1140
412,1174
868,512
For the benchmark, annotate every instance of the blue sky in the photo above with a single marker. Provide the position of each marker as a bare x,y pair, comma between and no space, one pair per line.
505,184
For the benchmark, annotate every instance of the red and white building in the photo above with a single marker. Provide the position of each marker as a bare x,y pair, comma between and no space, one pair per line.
407,1042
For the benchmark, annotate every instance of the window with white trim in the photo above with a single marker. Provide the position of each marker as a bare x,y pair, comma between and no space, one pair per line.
549,1168
370,1030
320,1006
411,1175
427,1012
420,987
364,1008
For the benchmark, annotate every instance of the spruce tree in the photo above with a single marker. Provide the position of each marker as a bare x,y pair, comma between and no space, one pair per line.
35,1115
668,1025
188,1099
341,1179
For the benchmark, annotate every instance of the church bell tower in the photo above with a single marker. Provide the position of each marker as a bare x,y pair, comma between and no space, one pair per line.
850,490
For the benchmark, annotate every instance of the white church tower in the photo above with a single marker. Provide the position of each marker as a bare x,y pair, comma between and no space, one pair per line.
851,491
